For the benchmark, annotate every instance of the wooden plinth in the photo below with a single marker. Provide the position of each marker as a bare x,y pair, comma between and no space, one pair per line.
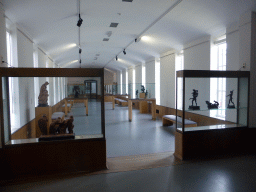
142,95
57,137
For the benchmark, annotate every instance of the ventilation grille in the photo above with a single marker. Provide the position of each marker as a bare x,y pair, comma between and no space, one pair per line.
105,39
113,24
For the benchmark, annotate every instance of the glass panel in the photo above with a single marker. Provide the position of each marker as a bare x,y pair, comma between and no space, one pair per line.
211,102
82,104
243,101
179,103
5,109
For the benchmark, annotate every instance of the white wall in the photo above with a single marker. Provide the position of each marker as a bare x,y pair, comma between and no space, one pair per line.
197,56
130,82
232,40
138,73
167,79
26,84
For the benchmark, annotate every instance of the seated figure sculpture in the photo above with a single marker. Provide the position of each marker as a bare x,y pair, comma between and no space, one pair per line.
43,96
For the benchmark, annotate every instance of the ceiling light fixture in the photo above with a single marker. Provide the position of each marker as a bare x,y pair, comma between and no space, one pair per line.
116,58
80,51
124,52
80,21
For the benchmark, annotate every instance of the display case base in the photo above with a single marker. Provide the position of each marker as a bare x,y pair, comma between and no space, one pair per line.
56,137
231,106
194,107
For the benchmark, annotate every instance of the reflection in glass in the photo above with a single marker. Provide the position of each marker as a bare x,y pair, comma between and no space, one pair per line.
81,93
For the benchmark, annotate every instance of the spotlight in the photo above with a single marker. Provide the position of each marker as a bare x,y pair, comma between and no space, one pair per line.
116,58
80,21
124,51
137,40
80,51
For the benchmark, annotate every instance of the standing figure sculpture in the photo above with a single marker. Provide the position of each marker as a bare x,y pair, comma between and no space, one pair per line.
137,93
231,100
142,88
194,95
43,96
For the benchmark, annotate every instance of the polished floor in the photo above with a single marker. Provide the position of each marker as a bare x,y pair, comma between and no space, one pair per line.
140,158
124,138
233,174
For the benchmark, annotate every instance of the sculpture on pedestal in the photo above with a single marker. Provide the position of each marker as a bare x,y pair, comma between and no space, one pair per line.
194,95
42,124
142,88
214,105
43,96
231,100
137,93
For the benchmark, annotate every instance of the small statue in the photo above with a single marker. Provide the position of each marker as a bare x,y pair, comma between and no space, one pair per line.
231,100
194,95
43,96
42,123
214,105
70,124
146,94
137,93
142,88
54,127
76,89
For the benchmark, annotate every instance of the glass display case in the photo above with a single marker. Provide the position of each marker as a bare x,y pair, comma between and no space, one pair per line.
209,100
64,95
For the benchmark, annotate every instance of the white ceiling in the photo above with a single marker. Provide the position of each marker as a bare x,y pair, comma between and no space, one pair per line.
168,24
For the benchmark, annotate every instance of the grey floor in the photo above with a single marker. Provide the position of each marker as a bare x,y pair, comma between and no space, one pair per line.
229,174
124,138
146,136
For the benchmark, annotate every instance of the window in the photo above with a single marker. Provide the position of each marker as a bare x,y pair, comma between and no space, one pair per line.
179,65
157,81
126,80
121,84
133,82
143,75
218,85
13,88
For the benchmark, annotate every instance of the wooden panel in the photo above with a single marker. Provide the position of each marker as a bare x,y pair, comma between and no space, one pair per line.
143,107
108,98
178,145
51,72
142,95
45,158
25,132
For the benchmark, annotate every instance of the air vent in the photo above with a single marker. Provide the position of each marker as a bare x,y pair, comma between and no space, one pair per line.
127,0
105,39
113,24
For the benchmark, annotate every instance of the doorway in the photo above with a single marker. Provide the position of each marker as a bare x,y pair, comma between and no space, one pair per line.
91,90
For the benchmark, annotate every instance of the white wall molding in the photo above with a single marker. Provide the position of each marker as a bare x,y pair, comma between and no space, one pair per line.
197,42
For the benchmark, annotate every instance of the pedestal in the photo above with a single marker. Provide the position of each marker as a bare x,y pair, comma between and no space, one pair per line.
142,95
